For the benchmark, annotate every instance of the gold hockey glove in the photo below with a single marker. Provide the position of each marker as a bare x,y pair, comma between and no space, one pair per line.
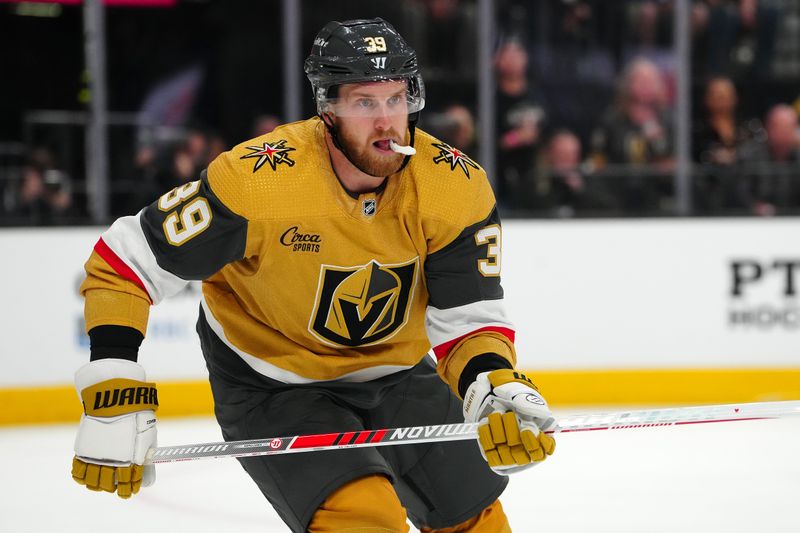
512,418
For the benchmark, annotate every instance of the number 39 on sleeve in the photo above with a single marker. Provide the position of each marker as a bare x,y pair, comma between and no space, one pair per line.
193,217
491,235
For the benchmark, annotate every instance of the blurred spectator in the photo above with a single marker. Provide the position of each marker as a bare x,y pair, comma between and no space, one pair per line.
519,118
192,156
651,24
45,193
146,182
715,144
448,25
183,167
560,184
573,64
736,37
455,126
520,19
782,134
158,168
637,131
216,145
265,124
718,136
771,169
195,150
650,37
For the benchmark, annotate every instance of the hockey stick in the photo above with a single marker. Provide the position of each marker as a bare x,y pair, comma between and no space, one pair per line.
677,416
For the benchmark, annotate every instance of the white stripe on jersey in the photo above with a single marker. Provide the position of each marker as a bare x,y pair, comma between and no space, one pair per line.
444,325
126,238
285,376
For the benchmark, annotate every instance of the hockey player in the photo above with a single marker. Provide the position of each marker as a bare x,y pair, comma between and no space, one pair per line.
334,253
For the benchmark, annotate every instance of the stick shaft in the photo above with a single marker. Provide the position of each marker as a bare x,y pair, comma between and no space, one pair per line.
678,416
451,432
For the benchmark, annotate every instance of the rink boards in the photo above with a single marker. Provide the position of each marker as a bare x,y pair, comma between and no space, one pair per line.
610,312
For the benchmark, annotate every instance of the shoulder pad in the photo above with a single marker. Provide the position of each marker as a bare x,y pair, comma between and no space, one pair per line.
247,172
451,185
443,158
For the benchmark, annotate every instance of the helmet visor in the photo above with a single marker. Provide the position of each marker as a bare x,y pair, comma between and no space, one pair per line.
374,98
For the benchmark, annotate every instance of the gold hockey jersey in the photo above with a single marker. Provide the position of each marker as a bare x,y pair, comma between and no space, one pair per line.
307,283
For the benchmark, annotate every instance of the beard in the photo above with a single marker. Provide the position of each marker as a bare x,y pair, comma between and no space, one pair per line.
368,160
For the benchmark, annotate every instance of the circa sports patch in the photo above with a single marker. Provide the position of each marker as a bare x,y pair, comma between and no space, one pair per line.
454,157
273,153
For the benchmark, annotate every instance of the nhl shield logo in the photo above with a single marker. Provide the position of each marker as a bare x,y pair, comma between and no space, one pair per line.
368,207
362,305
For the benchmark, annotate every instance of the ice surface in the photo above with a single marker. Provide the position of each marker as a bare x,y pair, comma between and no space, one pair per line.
740,477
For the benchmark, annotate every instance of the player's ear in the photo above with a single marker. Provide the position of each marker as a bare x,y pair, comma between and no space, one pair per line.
329,119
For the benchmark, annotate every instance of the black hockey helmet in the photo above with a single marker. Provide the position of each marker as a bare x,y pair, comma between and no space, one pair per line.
360,51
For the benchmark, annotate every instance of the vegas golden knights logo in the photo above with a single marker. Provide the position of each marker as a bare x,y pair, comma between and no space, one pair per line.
362,305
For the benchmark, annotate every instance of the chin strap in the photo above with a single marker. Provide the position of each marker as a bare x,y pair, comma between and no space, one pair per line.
334,134
412,126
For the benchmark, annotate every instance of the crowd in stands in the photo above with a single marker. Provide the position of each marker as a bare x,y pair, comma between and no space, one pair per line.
585,112
43,195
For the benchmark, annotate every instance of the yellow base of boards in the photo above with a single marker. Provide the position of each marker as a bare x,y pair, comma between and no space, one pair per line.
59,404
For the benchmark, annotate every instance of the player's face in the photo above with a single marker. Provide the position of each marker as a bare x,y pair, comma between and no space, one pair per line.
368,115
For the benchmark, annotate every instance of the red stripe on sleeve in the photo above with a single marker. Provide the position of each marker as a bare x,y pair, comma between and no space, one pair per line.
312,441
119,265
443,349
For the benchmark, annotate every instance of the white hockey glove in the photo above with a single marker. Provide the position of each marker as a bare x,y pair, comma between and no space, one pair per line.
117,428
513,417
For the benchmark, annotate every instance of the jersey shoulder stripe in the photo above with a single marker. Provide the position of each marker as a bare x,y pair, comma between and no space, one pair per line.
119,266
443,350
126,240
446,327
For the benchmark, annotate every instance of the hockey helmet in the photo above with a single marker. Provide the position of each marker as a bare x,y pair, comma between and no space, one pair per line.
365,50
